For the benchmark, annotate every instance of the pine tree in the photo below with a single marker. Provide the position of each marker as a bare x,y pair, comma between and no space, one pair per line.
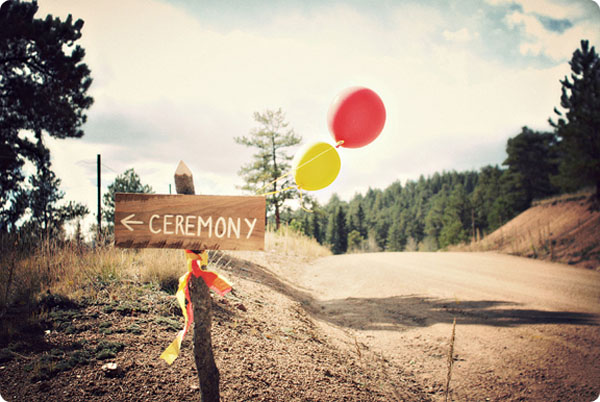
43,196
396,238
532,160
484,195
47,216
354,240
341,244
43,90
337,236
434,222
382,227
126,182
578,129
456,218
360,218
271,160
314,226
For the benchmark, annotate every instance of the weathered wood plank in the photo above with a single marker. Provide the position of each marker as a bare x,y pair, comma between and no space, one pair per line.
202,222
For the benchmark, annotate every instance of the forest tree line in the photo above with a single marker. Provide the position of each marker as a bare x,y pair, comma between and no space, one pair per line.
439,210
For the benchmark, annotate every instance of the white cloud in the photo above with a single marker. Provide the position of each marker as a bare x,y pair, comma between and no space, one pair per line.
462,35
555,9
540,41
581,16
560,9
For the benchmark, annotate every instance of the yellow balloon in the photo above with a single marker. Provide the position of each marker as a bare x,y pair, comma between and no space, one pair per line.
316,166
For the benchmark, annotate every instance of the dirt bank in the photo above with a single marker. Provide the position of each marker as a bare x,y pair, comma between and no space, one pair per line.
562,230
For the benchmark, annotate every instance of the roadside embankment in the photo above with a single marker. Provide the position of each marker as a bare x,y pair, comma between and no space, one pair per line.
561,229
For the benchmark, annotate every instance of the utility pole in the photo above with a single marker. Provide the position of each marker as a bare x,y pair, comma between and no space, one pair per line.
99,193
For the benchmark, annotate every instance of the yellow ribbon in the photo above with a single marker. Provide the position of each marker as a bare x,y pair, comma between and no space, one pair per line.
196,264
172,351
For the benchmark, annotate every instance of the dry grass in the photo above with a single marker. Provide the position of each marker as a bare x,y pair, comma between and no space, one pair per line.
76,272
576,196
450,360
162,267
289,242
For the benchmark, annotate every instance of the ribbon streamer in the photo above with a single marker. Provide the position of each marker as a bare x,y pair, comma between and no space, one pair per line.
196,264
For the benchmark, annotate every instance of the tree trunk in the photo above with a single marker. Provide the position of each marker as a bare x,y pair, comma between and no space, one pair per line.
276,174
208,373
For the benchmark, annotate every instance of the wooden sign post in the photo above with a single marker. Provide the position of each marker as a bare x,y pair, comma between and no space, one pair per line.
197,223
201,222
208,373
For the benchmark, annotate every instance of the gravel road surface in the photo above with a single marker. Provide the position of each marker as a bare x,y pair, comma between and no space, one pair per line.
525,329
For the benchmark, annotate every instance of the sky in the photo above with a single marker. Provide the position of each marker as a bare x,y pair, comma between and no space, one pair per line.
179,79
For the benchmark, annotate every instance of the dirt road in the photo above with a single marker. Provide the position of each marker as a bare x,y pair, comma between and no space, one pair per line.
525,329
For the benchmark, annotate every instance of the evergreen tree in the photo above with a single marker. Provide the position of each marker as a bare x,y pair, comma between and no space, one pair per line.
381,229
271,160
341,244
532,160
509,202
360,219
485,193
456,218
354,240
396,240
43,196
337,236
434,220
356,217
43,90
314,225
127,182
47,217
330,232
421,200
578,129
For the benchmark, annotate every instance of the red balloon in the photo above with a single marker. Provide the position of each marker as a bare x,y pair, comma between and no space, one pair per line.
356,116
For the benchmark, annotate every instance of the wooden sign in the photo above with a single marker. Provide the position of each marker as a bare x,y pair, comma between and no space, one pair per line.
193,222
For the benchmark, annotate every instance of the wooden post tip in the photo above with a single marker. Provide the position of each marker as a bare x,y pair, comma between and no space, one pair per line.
184,182
182,169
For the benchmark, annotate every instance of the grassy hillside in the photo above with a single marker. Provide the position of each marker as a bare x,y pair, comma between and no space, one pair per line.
561,229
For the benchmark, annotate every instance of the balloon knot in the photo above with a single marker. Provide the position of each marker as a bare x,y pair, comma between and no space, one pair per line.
339,143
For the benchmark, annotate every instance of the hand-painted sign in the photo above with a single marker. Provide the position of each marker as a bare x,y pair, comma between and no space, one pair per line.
198,222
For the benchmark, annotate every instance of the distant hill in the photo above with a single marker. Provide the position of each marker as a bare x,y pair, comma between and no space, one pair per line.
561,229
